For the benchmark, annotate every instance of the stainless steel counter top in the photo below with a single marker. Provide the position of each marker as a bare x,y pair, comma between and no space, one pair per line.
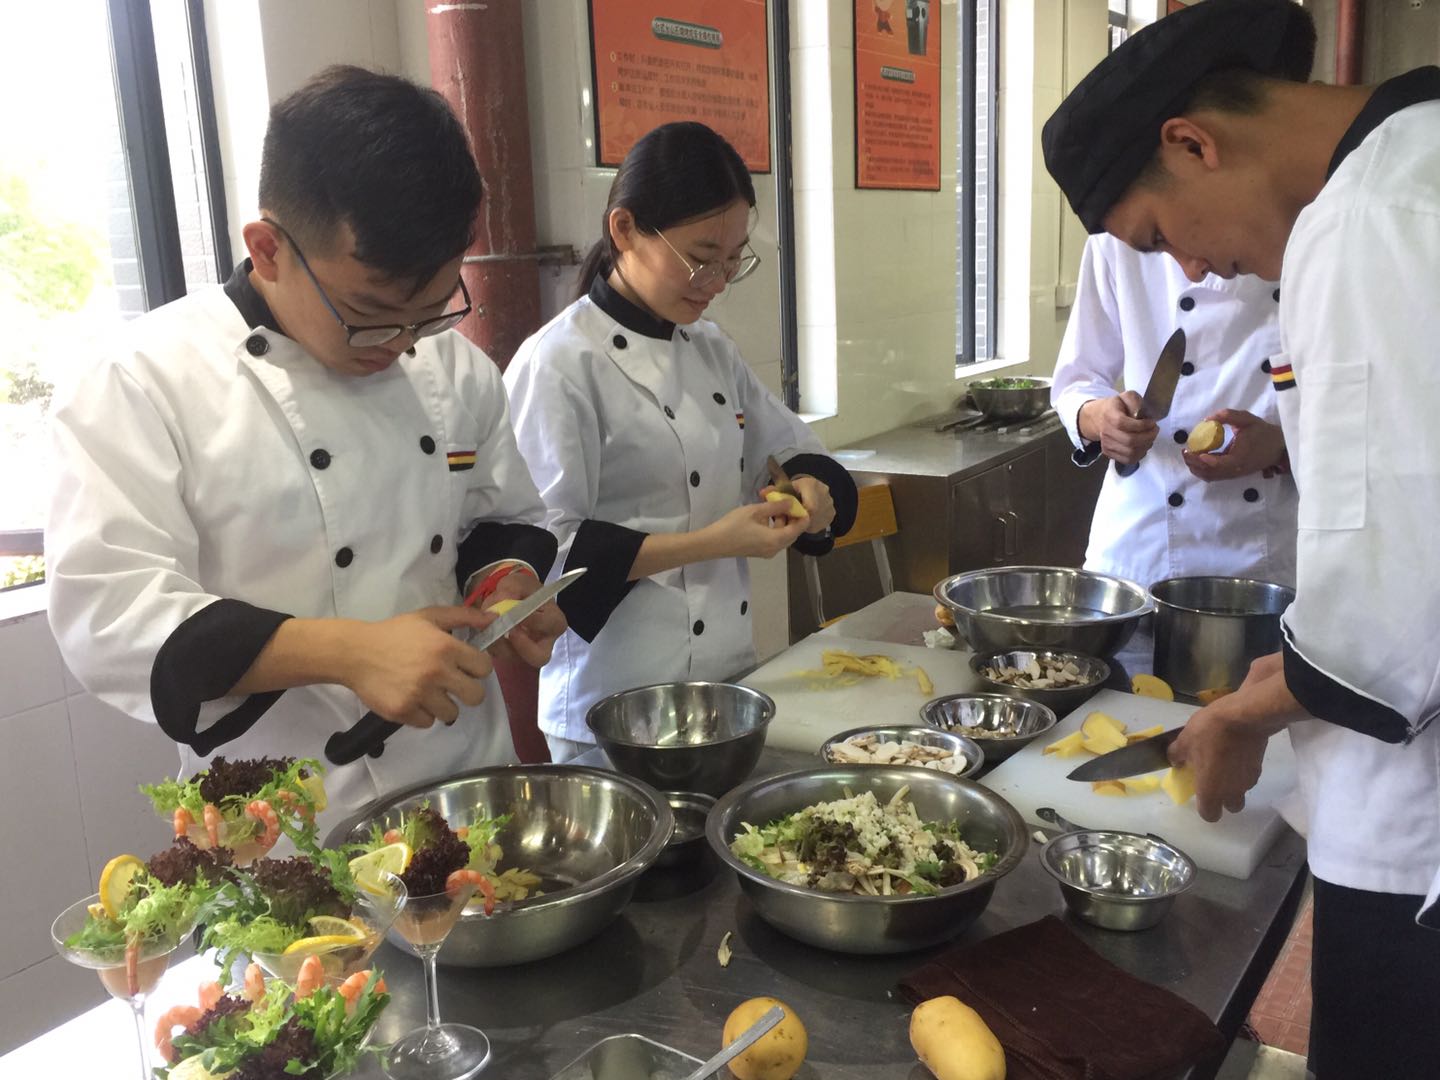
919,450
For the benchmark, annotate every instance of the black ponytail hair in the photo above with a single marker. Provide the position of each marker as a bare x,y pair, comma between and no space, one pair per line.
676,173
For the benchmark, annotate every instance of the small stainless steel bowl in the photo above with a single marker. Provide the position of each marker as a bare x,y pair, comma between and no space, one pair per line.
968,750
871,924
588,833
1044,607
1117,880
1060,700
1002,725
1011,403
684,736
687,842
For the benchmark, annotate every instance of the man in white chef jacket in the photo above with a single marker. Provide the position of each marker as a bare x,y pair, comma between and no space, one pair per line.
271,492
1178,514
1188,139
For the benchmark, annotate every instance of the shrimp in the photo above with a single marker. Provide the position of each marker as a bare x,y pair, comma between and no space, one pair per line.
393,836
352,987
213,821
210,994
183,819
132,965
463,832
295,805
269,821
178,1016
460,878
254,983
311,977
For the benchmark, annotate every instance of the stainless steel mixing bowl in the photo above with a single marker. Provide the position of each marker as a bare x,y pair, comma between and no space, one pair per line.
588,833
1117,880
968,750
684,736
871,924
1062,700
1011,402
1001,725
1052,607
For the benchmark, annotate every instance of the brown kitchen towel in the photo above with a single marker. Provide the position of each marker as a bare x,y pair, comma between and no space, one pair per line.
1063,1012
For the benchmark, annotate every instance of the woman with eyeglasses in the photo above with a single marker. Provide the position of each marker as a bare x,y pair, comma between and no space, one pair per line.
648,436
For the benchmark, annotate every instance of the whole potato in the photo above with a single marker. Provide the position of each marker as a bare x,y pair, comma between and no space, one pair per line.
778,1054
954,1043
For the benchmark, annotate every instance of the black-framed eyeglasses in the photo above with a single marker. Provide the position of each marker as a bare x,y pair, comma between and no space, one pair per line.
729,270
365,337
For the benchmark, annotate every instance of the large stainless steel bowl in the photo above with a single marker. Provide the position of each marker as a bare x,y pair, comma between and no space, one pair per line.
1117,880
871,924
1209,629
1002,725
1052,607
1011,403
684,736
588,833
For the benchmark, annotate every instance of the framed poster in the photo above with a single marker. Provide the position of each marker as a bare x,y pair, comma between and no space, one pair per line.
654,61
897,94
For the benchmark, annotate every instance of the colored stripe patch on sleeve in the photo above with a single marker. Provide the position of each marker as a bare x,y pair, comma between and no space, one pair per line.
460,460
740,419
1283,377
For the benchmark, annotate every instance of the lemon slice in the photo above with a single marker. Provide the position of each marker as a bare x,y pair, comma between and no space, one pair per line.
193,1068
321,943
330,926
369,869
314,786
115,882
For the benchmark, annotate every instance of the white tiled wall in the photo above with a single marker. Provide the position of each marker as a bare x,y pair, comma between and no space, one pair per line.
68,772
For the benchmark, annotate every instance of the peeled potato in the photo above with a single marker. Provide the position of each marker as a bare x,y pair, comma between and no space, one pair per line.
1152,687
1205,437
793,509
776,1055
943,615
1069,746
502,606
1205,697
1179,784
1148,733
954,1043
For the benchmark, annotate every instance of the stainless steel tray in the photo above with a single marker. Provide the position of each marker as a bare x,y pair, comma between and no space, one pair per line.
629,1057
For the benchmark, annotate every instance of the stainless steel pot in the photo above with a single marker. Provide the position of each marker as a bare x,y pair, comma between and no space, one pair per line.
1209,629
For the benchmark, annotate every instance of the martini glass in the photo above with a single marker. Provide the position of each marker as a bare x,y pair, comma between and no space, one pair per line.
436,1051
374,911
129,980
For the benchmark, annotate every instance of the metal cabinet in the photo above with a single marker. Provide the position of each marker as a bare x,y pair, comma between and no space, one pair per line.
997,518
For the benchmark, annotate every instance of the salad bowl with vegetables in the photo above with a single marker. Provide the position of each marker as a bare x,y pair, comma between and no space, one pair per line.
867,859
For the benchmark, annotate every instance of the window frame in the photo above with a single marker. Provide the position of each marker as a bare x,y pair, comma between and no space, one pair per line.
971,42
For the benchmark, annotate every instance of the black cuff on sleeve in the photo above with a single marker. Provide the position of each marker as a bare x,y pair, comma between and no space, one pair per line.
842,493
200,661
1323,697
608,552
491,541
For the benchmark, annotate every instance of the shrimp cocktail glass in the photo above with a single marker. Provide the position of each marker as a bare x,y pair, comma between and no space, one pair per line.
129,966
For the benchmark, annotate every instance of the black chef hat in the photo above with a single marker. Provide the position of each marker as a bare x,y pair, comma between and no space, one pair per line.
1106,131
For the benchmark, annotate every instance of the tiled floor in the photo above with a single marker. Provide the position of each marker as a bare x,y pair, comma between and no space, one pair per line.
1281,1014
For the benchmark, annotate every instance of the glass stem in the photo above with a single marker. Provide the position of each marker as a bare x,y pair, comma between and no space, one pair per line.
137,1007
432,990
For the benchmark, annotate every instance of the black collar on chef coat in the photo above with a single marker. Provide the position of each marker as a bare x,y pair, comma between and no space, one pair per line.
1389,98
628,315
250,303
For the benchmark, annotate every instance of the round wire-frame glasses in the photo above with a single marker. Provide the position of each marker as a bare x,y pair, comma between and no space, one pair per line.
736,268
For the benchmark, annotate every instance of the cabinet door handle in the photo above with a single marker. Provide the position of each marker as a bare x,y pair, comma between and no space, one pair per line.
1012,532
1000,549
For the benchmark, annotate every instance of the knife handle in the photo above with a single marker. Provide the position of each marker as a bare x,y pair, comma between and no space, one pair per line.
1087,455
367,736
1127,470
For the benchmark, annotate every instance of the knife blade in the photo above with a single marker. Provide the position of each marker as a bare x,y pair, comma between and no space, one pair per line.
779,478
1145,756
1154,404
368,734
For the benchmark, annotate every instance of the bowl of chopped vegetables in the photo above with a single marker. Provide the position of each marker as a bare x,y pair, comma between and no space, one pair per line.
1022,398
554,853
867,859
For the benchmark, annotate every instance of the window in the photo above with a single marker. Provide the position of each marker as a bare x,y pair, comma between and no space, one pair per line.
1119,17
975,329
110,204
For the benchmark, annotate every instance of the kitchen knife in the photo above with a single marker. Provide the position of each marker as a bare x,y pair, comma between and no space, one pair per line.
779,478
1155,405
1145,756
369,733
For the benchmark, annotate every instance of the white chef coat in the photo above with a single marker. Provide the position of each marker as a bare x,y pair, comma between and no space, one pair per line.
655,434
1163,521
1359,392
209,460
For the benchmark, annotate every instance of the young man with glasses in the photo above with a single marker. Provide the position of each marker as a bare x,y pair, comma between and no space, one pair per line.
648,435
272,494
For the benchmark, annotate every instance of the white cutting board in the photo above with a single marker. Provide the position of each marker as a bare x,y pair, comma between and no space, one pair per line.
1233,845
805,717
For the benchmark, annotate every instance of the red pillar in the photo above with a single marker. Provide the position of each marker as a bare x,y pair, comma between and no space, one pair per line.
1349,42
477,61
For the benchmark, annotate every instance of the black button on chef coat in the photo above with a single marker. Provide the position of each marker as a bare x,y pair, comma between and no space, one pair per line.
256,345
436,543
344,557
1176,499
320,459
694,479
1187,303
427,444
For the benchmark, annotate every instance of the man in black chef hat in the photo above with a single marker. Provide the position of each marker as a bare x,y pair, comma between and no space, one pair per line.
1199,138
